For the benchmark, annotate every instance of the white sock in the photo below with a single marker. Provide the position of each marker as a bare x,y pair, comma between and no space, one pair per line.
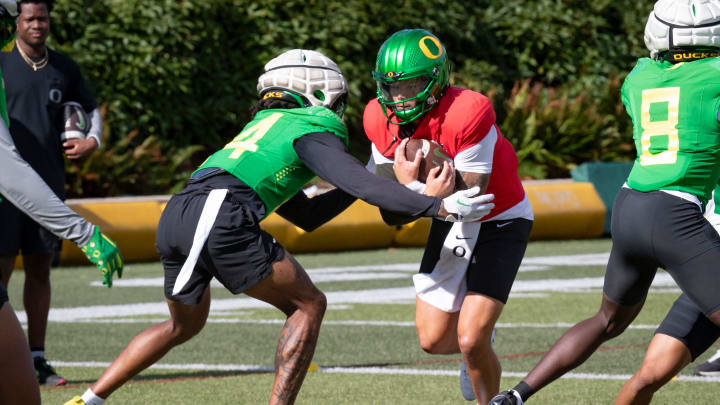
90,398
37,353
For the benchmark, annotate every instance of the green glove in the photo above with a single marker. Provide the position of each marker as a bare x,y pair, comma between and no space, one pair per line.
104,254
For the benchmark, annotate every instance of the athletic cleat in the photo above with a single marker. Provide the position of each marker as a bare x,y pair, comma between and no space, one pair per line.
75,401
506,398
710,368
466,386
45,374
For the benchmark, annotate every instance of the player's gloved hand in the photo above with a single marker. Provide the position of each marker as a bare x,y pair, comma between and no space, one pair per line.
506,398
104,254
467,206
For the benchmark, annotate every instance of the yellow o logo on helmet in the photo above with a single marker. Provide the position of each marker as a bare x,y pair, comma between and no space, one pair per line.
425,50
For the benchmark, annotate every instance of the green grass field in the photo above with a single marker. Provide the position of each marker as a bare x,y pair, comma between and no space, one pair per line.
368,352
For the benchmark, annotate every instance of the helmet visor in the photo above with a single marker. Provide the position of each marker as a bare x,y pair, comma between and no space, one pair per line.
404,90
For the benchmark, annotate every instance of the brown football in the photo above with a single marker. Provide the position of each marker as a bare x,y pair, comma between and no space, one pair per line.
74,121
433,155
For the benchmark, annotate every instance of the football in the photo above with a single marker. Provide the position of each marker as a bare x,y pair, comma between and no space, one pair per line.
74,122
433,154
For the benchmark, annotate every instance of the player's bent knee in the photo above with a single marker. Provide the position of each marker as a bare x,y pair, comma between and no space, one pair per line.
314,305
182,332
646,382
435,345
612,325
430,346
474,342
319,303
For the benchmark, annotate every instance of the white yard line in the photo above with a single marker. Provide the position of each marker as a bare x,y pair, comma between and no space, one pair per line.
406,324
384,271
398,295
360,370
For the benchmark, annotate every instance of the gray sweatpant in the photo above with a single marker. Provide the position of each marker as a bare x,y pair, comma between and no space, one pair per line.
23,187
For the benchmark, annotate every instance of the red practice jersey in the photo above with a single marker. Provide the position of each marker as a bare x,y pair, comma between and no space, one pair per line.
461,120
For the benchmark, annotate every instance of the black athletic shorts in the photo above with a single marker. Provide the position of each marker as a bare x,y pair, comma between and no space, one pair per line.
686,323
236,252
656,229
3,295
496,258
20,233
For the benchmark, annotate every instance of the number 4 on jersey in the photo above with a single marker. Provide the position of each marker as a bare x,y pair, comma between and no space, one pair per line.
248,138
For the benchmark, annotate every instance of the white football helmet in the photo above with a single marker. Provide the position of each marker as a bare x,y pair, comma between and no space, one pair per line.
10,6
677,24
8,14
309,74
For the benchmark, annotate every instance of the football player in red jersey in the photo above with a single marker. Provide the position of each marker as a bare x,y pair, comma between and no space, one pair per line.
466,271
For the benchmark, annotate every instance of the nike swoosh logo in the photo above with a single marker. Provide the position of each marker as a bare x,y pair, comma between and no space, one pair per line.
459,238
504,224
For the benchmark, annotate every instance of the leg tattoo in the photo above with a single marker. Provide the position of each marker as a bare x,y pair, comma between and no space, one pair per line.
292,358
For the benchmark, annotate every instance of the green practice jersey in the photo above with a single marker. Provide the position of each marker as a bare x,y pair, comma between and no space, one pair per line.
263,157
674,110
716,199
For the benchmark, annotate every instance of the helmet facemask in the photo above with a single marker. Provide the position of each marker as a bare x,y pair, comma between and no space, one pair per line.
408,99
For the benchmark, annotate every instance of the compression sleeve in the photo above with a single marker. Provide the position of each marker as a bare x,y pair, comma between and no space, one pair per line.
24,188
325,155
310,213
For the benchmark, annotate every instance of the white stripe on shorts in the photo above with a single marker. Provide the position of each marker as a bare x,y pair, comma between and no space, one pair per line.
205,224
445,287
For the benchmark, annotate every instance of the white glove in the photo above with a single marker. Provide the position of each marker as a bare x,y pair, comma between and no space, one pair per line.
463,207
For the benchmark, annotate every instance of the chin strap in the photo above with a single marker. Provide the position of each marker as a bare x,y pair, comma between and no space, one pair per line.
285,95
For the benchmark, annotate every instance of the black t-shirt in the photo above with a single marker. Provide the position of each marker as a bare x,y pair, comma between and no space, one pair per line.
33,101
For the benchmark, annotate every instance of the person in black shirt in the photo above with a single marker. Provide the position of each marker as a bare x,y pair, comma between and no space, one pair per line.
38,81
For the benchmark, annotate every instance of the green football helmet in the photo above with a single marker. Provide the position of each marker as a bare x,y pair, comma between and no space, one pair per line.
8,14
412,72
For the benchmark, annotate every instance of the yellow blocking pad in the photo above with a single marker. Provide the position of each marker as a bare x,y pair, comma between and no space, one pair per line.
563,210
130,221
413,234
358,227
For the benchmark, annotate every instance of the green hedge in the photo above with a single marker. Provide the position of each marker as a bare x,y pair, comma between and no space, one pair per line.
181,75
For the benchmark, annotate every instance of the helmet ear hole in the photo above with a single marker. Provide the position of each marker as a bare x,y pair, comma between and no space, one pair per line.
319,95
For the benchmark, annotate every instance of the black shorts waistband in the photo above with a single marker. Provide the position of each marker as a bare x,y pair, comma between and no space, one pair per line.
206,173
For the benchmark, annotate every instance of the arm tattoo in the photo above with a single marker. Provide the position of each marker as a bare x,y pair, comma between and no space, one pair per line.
467,180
